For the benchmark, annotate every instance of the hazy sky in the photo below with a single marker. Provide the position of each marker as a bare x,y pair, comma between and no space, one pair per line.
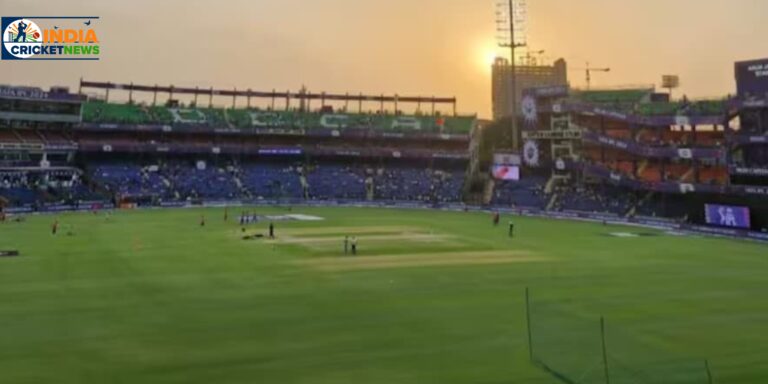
426,47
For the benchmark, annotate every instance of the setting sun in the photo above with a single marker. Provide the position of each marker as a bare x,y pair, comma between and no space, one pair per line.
486,54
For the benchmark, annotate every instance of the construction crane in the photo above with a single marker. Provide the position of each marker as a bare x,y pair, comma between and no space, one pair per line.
531,57
588,70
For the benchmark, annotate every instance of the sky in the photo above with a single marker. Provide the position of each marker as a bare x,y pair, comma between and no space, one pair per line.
405,47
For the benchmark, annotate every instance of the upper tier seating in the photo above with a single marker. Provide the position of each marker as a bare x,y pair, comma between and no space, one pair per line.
101,112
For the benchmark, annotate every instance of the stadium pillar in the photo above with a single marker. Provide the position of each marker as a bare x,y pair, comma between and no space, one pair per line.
130,94
234,98
197,89
605,351
210,99
154,96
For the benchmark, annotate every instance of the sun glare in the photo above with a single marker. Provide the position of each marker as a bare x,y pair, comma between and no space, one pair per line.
486,54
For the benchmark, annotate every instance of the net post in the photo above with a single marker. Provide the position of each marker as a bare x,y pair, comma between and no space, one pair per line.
709,371
528,320
605,351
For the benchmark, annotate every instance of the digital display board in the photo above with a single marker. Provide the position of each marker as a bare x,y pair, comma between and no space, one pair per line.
728,216
506,172
752,77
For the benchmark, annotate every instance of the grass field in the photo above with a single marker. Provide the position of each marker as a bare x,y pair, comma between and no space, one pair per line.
433,297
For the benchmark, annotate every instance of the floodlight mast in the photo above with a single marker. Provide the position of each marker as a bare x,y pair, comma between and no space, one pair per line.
512,45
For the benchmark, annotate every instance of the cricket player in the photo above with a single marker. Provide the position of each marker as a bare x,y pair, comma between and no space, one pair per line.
271,230
511,229
354,246
346,245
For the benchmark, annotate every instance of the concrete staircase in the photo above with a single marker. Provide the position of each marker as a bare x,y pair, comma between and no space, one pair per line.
241,187
490,188
551,184
552,201
688,176
633,211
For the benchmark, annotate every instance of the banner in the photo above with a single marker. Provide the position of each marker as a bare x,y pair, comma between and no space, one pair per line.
531,153
668,152
507,159
654,121
569,134
746,171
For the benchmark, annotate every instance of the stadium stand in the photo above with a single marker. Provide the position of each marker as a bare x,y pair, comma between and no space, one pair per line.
636,162
271,180
101,112
130,180
335,181
617,96
528,192
595,198
26,189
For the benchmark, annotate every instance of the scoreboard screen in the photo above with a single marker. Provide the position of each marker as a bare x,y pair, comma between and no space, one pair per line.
506,172
728,216
752,77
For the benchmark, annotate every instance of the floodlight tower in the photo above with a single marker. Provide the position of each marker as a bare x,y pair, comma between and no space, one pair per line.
670,82
510,28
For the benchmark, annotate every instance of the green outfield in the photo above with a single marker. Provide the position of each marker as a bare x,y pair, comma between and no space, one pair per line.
432,297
